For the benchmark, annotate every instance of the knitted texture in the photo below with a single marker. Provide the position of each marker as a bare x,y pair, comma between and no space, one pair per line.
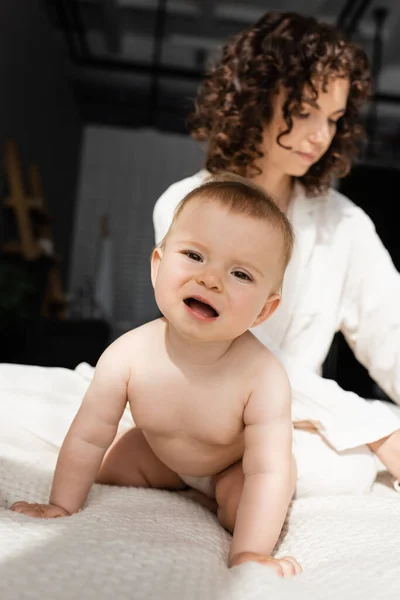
141,544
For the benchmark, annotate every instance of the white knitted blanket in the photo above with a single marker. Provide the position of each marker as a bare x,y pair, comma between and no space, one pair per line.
143,544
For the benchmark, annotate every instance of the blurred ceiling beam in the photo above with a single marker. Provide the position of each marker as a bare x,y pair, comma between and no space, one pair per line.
380,16
392,40
351,15
199,20
141,20
206,8
111,25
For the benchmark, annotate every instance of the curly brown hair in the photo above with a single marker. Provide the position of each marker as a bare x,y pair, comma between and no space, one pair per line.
235,100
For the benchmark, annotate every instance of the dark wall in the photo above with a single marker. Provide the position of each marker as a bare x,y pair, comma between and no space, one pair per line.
37,108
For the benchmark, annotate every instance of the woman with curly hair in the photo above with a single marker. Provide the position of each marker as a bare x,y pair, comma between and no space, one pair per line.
281,108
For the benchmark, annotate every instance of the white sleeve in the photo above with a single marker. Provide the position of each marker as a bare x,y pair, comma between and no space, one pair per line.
163,213
166,204
371,307
345,419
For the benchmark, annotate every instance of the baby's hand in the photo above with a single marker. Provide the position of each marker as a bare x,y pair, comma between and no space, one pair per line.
285,567
40,511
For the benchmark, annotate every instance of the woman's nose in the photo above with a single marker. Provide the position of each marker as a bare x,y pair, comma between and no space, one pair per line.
321,134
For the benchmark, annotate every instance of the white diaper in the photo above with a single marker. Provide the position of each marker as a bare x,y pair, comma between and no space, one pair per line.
201,484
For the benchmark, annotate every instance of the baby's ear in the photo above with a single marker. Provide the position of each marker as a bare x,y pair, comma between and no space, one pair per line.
156,257
268,309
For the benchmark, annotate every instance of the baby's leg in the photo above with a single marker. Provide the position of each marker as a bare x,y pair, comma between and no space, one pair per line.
131,462
228,490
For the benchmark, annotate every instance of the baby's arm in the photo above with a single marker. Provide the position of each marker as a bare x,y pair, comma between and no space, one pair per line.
268,468
91,433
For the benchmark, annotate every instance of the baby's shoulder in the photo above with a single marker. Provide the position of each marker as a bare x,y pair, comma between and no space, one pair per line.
260,360
269,389
141,340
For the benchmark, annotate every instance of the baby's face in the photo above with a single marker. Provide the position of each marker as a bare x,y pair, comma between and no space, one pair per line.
217,271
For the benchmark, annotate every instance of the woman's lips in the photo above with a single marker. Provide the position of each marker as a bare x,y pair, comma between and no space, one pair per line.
309,158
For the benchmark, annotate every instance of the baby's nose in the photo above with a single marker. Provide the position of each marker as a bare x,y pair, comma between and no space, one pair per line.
210,279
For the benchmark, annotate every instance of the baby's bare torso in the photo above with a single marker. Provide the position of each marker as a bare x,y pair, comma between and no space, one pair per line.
192,415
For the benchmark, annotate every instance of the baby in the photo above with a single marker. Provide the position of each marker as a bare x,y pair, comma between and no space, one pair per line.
210,403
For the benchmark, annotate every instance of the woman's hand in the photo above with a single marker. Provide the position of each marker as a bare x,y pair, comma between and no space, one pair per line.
284,567
39,511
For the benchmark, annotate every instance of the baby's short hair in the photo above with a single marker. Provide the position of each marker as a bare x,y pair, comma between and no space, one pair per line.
244,197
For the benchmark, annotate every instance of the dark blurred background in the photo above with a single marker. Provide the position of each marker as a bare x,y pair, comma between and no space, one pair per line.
93,105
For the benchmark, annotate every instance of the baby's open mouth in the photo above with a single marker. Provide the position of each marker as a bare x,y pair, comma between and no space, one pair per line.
201,307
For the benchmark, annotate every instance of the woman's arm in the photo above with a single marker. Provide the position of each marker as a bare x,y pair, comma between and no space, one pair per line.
371,307
345,419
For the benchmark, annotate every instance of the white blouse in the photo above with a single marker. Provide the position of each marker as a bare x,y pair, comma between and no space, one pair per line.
340,278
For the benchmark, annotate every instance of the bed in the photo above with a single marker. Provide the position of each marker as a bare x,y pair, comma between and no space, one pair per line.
145,544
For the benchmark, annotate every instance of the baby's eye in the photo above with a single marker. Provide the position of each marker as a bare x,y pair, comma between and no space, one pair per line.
242,275
193,255
303,115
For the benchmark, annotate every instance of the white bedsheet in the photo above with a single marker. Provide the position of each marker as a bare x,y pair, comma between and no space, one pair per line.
144,544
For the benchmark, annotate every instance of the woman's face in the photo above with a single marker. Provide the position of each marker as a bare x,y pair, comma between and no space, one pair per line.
313,129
